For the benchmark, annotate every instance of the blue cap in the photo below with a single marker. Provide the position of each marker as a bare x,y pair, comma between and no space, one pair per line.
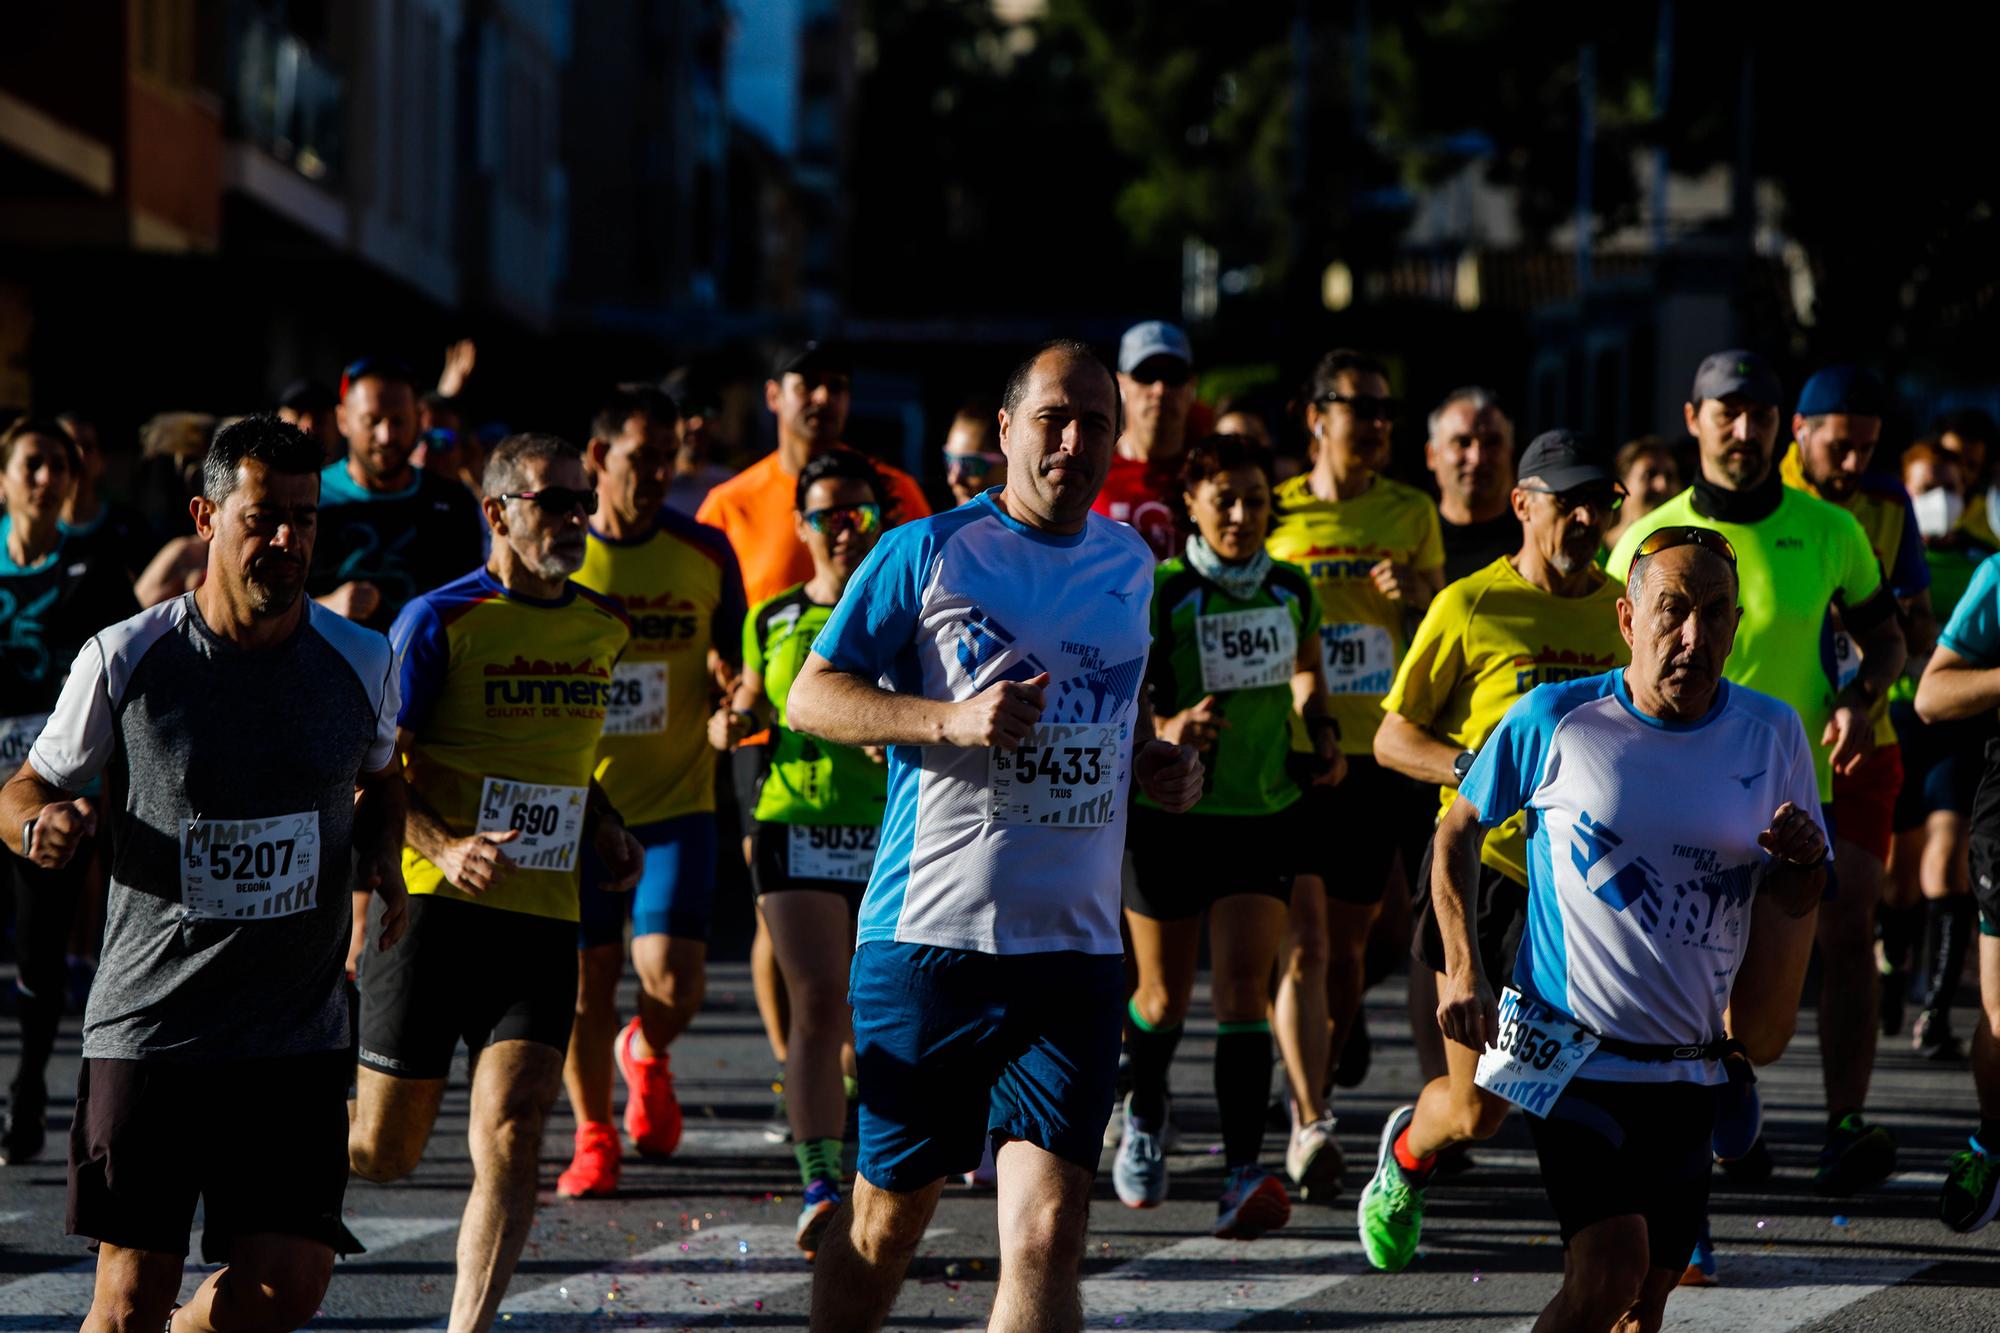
1847,390
1153,338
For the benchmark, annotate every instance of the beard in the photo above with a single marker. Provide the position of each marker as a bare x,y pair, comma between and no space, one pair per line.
273,597
558,562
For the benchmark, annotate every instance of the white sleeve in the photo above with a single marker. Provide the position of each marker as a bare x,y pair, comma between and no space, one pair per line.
1801,783
77,741
383,749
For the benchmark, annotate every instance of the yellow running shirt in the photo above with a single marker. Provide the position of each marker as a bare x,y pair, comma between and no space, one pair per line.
1487,640
1795,562
505,695
1362,632
679,587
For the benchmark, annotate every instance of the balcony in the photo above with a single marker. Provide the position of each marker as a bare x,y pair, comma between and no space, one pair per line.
286,99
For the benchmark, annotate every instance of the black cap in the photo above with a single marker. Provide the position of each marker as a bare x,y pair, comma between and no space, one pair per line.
306,396
1561,460
815,357
1737,371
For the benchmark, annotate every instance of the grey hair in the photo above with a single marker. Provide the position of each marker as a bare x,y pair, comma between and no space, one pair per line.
510,457
1480,399
1635,574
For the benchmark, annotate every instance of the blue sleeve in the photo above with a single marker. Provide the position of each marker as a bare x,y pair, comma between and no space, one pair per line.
1974,629
1911,573
877,614
1509,766
422,655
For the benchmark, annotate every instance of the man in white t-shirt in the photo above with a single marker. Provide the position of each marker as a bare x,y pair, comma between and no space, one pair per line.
1665,807
1012,635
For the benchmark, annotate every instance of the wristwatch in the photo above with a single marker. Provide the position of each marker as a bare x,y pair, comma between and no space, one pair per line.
1462,765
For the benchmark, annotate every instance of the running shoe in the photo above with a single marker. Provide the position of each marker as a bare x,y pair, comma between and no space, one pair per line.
1253,1202
1314,1161
822,1202
1931,1037
1356,1055
652,1114
593,1171
1970,1197
778,1128
1892,1001
1857,1155
1139,1173
1701,1264
985,1175
1752,1168
1390,1215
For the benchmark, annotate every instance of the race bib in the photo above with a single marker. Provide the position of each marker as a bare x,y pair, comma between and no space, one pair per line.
17,737
1065,774
844,852
638,700
1538,1053
250,869
1846,660
1357,659
1246,650
550,820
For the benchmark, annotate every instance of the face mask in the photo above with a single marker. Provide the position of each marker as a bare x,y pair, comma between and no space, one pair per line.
1939,510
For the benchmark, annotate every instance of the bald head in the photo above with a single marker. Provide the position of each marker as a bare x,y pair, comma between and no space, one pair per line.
1058,421
1679,614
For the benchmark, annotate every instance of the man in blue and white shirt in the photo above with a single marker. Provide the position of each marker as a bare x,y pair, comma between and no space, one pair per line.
998,650
1662,803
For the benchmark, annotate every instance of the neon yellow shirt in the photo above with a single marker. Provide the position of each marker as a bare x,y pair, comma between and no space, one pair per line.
679,586
1792,565
1362,633
1487,640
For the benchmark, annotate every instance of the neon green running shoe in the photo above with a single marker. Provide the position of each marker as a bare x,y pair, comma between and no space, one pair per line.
1390,1215
1971,1190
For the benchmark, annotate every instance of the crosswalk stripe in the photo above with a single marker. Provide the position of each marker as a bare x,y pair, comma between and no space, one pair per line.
57,1298
1208,1283
1774,1291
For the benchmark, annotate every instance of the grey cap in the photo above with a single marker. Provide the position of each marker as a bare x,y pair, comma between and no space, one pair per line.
1737,370
1155,337
1562,460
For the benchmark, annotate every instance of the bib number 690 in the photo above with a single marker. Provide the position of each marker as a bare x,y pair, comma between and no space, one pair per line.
535,820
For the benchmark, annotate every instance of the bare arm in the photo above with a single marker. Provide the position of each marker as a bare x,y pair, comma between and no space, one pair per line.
1467,1012
61,822
1406,747
1953,687
381,809
841,707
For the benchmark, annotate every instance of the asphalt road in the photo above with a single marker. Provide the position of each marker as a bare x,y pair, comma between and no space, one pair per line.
704,1240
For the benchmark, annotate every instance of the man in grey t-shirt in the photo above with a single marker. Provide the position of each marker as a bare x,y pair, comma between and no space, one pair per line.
246,739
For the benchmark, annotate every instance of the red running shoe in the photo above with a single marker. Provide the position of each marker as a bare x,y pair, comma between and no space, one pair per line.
652,1115
593,1172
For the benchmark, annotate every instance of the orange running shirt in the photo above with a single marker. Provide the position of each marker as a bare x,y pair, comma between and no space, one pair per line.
755,509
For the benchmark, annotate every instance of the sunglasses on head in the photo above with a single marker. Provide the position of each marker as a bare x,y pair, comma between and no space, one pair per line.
557,500
836,518
1602,498
1708,539
1366,406
1173,374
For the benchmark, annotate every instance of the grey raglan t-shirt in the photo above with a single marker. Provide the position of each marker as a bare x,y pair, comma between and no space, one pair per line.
229,809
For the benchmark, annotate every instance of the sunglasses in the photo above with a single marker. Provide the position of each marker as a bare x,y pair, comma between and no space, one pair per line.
1708,539
1173,374
1365,406
1601,499
972,465
557,501
837,518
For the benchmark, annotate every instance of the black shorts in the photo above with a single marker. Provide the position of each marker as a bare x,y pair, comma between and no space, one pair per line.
771,868
468,973
1353,831
1985,850
1942,764
749,765
1618,1149
1182,864
1502,907
262,1144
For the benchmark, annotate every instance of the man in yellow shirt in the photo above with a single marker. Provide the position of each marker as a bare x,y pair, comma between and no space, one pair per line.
1545,613
1374,552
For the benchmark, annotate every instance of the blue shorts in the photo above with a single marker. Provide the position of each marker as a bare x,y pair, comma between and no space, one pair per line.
676,892
953,1046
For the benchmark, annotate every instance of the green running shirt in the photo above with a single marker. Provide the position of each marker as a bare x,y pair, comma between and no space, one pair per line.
811,781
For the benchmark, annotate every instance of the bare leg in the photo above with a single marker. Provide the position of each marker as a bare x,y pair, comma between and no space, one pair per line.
768,984
673,977
1849,997
512,1089
271,1282
1348,927
804,924
1298,1015
1453,1109
587,1070
1605,1274
134,1291
865,1253
1044,1209
392,1122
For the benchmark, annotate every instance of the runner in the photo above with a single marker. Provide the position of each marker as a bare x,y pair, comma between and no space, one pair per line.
55,593
1470,452
1156,389
1799,558
91,521
1962,682
506,679
1373,550
971,464
246,741
1234,673
1668,809
677,583
311,407
809,392
388,531
696,472
1971,434
1651,476
1542,615
1930,877
817,821
1015,633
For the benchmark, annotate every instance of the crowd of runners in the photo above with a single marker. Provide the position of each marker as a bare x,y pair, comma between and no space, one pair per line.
380,735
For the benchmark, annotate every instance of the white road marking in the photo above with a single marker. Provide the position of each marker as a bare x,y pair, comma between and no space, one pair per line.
1208,1283
1773,1291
